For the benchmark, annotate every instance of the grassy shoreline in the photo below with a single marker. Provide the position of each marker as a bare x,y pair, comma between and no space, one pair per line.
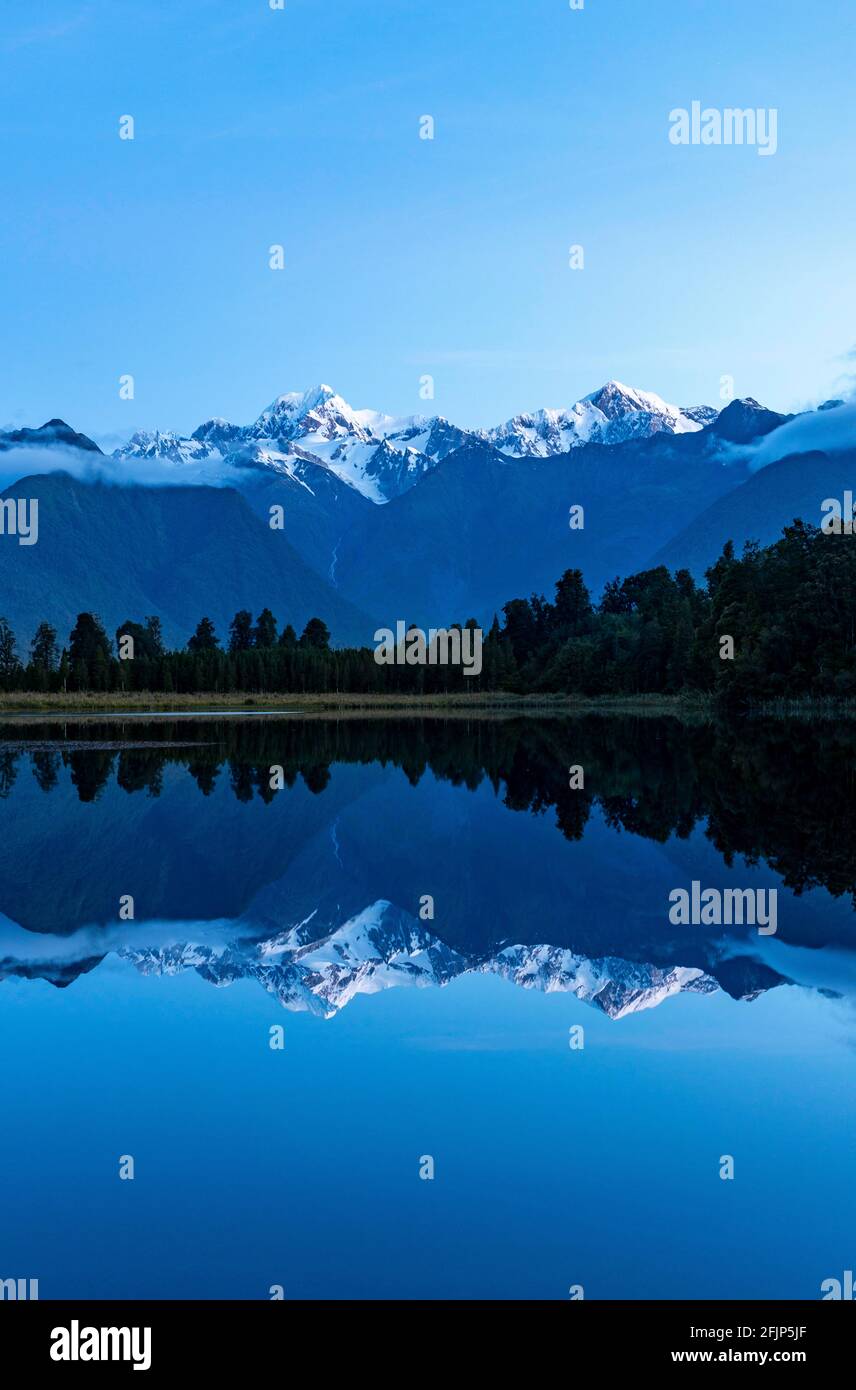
690,708
111,703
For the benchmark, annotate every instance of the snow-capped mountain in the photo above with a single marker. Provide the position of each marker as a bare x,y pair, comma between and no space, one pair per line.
616,987
381,947
431,436
318,414
612,415
172,448
636,414
219,435
382,456
377,454
282,461
701,414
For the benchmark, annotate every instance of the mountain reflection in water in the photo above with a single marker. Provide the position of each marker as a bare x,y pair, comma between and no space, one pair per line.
412,851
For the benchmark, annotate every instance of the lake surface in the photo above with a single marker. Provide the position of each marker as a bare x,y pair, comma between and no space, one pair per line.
471,963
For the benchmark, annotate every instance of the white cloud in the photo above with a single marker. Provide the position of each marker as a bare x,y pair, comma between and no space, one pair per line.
826,431
25,461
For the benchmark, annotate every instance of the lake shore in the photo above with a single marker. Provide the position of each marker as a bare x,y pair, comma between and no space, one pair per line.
689,707
141,702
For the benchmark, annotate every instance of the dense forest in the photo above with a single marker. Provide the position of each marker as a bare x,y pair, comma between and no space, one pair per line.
789,610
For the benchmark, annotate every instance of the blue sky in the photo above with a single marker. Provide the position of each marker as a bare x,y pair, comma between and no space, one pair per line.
407,257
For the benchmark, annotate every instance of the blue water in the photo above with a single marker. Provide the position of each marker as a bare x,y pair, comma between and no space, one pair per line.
300,1167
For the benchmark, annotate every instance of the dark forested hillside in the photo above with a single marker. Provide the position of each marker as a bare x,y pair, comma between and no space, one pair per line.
773,622
173,551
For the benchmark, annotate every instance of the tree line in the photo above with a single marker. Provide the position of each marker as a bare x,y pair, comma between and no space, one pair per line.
789,610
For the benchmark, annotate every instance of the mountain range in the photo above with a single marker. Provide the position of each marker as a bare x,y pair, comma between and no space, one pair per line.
386,517
379,948
382,456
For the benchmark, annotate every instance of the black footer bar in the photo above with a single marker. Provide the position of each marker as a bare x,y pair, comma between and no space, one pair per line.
151,1338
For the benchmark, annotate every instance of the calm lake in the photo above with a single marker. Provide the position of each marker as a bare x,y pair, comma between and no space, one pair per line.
476,975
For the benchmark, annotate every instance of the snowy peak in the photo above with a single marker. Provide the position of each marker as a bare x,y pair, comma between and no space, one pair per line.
376,454
611,415
172,448
547,432
701,414
615,400
616,987
317,413
633,414
219,434
432,436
